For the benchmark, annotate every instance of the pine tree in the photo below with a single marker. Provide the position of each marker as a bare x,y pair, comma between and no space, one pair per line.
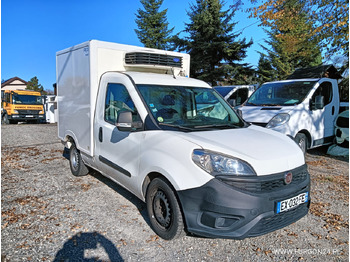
265,71
212,43
33,84
153,29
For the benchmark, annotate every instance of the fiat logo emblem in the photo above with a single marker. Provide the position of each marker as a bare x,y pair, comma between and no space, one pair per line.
288,177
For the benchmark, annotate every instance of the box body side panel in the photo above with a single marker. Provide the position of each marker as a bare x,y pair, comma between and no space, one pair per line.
73,93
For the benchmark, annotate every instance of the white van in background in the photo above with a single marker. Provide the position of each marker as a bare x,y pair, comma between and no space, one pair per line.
303,107
237,94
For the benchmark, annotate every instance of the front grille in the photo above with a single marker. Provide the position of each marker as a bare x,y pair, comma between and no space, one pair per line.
28,112
138,58
280,220
264,184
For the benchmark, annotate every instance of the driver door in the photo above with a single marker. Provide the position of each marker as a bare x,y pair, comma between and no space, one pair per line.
117,152
323,119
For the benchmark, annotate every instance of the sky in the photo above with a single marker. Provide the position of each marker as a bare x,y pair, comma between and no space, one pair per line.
33,31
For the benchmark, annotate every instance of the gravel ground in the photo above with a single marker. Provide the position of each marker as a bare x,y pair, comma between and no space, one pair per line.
49,215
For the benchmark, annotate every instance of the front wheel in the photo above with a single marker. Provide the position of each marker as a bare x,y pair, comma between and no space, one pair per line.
301,140
5,119
77,165
164,210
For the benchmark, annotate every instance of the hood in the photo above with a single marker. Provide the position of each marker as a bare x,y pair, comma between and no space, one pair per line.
262,114
267,151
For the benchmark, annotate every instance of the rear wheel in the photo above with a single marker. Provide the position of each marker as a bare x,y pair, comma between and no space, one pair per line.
301,140
77,165
164,210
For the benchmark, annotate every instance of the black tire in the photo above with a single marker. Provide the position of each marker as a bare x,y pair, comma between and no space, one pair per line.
164,210
5,119
77,165
302,141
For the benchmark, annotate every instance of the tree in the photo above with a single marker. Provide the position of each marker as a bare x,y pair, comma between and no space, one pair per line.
332,25
33,84
212,43
292,42
265,70
329,20
153,26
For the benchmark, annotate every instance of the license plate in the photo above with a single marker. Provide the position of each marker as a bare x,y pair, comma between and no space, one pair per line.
293,202
29,116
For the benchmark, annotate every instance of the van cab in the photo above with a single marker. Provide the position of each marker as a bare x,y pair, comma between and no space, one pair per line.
237,94
135,116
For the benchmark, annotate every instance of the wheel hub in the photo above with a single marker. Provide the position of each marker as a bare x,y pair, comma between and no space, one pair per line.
161,209
74,159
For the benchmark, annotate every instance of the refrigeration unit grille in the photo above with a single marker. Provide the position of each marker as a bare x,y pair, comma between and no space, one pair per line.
139,58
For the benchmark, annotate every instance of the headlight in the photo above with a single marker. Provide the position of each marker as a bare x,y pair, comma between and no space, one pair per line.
15,112
217,164
41,112
278,120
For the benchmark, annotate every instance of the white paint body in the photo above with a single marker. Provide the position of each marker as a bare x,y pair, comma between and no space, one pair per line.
83,73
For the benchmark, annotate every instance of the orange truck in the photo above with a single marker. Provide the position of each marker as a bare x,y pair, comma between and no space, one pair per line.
22,106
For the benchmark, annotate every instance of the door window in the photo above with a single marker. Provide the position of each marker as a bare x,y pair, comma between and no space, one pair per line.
325,90
240,96
118,100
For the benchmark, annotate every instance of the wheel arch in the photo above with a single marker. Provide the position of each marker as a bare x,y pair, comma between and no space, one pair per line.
70,139
308,137
148,179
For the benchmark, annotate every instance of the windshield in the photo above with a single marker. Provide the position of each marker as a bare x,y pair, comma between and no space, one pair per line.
189,108
26,99
281,93
223,90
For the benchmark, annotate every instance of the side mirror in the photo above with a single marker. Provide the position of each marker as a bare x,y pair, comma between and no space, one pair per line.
239,112
125,123
319,102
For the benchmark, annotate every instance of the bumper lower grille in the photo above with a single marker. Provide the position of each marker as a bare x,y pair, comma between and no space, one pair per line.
266,184
278,221
28,112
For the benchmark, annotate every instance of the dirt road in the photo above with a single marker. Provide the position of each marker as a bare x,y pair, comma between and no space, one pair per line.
49,215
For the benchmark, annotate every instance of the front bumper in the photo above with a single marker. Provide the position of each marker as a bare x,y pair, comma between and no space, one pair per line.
244,207
22,118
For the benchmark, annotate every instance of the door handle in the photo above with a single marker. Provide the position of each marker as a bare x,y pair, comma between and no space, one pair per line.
100,135
333,109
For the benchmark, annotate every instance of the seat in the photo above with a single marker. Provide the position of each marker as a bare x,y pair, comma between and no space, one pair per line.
168,113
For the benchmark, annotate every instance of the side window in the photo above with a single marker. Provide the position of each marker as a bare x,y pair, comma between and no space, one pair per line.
118,100
7,98
240,96
325,90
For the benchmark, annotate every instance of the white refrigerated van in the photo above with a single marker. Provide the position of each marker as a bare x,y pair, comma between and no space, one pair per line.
134,115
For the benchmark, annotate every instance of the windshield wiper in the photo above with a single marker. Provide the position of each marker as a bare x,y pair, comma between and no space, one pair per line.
270,105
218,126
253,104
249,103
177,126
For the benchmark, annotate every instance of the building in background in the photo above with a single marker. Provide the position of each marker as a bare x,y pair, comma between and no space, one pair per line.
14,83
